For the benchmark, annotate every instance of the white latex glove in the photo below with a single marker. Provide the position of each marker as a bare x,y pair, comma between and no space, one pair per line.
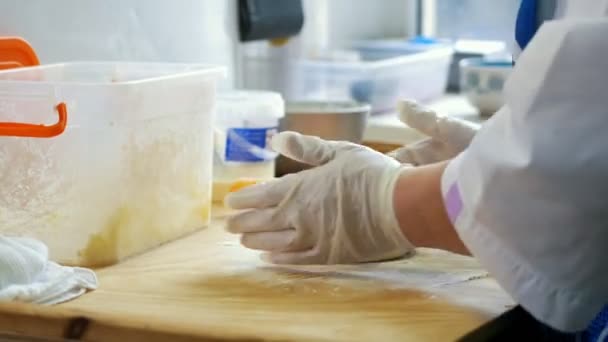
336,213
447,136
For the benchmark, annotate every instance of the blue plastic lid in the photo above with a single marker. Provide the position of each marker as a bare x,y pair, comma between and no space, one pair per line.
400,46
483,62
508,64
423,40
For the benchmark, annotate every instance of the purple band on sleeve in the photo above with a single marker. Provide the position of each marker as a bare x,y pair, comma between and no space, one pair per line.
453,202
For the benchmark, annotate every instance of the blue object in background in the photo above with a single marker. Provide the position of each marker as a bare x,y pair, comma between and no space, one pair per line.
598,329
374,92
526,23
423,40
531,15
362,91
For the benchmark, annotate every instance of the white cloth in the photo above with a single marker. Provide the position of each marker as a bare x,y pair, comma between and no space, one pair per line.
27,275
528,197
339,212
447,137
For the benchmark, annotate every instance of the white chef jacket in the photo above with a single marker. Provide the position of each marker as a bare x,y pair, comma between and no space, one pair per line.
529,196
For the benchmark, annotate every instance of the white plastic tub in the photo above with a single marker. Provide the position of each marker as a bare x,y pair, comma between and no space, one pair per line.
132,168
245,123
381,83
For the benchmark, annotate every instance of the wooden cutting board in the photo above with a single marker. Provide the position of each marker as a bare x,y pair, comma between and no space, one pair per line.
207,287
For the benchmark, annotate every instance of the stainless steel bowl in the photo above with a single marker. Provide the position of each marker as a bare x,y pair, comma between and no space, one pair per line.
328,120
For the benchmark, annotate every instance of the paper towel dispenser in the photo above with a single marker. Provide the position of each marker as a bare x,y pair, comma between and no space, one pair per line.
269,19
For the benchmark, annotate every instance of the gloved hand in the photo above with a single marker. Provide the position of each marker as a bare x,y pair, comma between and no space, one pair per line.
339,212
447,136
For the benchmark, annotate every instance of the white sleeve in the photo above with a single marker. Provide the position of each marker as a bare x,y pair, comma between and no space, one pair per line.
529,195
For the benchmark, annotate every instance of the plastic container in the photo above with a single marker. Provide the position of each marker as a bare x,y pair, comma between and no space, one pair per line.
245,123
482,82
464,49
420,76
131,170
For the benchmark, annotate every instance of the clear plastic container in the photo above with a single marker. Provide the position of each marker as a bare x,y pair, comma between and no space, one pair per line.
420,76
245,123
132,168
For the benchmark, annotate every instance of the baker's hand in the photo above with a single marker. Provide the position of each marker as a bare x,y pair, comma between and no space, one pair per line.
447,137
339,212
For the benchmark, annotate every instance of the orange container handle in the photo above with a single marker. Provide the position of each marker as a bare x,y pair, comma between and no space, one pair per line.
10,65
16,52
14,129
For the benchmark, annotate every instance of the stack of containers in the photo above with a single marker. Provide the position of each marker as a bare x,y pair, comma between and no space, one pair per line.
379,73
381,82
245,123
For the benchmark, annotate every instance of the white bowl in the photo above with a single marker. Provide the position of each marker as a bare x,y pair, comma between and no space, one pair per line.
482,82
